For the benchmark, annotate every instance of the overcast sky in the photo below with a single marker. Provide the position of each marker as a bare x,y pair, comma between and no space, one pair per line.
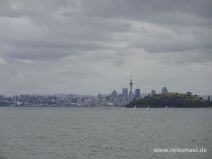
91,46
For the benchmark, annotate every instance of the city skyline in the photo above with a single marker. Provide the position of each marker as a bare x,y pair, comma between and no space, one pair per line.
76,46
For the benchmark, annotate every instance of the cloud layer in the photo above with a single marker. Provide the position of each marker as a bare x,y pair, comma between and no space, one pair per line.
79,45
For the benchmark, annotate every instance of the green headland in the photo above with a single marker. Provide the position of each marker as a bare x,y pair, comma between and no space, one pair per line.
171,100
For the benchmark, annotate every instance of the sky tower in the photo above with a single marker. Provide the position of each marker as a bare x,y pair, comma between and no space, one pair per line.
131,85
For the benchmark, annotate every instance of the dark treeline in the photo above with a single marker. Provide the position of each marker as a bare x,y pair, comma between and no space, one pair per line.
171,100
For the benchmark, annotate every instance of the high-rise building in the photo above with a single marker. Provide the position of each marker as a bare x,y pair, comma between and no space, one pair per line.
209,99
164,90
153,92
114,94
137,93
131,86
125,93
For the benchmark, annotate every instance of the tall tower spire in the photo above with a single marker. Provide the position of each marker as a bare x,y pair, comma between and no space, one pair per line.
131,76
131,85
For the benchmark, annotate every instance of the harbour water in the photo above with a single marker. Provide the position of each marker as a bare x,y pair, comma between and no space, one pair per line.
102,133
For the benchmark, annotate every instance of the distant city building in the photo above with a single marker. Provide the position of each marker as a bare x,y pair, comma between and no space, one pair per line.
137,93
209,99
99,96
114,94
153,92
164,90
125,93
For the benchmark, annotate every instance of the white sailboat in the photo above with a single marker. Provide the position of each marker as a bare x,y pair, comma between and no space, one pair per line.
147,108
166,108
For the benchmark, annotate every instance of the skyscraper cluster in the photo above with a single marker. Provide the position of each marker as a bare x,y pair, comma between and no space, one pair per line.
113,99
126,95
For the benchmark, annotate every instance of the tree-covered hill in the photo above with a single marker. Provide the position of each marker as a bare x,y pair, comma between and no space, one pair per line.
171,100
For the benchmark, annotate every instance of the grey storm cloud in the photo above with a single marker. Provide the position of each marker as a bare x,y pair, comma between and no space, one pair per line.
59,40
160,11
51,29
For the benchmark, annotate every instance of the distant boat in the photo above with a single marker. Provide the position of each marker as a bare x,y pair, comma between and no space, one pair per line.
135,107
166,108
147,108
124,108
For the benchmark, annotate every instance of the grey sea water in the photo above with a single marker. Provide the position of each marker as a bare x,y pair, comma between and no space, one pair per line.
101,133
